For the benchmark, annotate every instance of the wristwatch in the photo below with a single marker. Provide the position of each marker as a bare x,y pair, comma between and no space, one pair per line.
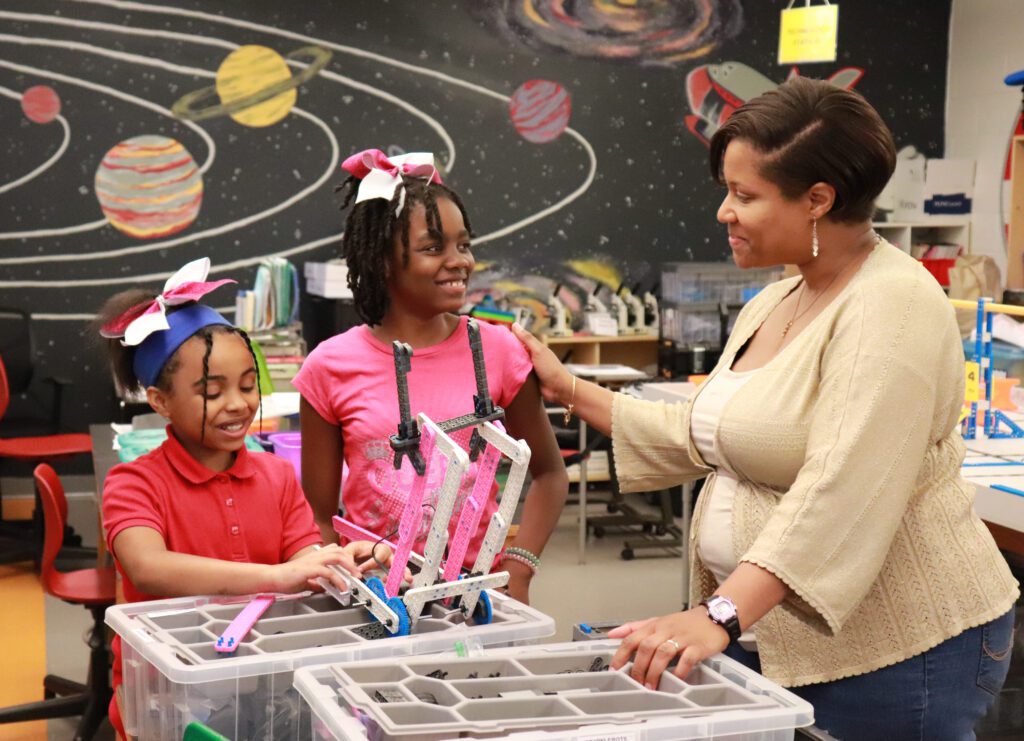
722,612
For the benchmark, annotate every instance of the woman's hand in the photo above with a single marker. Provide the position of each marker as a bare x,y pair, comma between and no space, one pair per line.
555,380
654,643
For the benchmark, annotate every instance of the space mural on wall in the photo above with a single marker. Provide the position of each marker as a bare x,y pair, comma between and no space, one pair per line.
139,136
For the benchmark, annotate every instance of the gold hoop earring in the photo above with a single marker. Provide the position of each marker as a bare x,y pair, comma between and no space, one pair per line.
814,237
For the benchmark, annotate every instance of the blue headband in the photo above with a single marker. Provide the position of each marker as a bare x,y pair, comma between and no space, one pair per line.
154,351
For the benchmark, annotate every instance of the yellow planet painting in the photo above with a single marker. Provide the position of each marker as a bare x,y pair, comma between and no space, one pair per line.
255,86
246,72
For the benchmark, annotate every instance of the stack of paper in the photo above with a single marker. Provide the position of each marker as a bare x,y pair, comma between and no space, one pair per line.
328,279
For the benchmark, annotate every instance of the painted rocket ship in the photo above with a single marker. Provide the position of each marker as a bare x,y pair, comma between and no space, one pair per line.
716,90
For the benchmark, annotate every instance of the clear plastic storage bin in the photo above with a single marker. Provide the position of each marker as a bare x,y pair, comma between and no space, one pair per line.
542,693
173,675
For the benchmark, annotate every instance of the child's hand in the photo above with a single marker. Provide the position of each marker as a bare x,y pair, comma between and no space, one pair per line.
363,552
311,564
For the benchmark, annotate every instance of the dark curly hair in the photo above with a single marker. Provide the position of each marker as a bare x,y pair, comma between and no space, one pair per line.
370,230
122,358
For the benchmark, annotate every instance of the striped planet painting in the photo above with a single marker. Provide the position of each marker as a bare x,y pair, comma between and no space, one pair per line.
540,110
149,187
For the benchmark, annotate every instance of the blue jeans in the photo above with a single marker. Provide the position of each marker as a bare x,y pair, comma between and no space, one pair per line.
939,695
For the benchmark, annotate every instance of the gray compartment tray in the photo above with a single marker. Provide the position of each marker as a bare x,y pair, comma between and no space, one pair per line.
540,688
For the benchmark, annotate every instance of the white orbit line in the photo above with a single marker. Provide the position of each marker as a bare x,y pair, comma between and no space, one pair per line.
89,226
181,69
345,49
38,72
329,170
7,92
224,44
162,9
160,277
156,9
152,246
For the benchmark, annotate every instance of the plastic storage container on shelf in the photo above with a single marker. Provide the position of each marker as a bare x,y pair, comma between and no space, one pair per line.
542,693
288,445
173,674
693,294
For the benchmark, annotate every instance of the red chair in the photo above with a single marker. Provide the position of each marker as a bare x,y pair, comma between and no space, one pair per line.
33,449
94,590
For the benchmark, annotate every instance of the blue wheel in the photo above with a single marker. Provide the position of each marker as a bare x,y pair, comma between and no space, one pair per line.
484,611
396,604
375,585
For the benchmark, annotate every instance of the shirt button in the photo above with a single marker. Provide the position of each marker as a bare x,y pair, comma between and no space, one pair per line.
230,502
222,477
234,529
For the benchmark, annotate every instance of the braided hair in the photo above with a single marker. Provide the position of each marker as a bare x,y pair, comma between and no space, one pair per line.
369,237
122,357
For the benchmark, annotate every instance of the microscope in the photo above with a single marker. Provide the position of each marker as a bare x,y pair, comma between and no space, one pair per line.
621,311
598,320
556,315
651,312
638,323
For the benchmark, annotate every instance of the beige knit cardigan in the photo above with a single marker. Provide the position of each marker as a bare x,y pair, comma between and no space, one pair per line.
848,454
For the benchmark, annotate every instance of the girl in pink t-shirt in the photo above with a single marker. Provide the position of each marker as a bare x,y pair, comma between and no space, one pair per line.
407,246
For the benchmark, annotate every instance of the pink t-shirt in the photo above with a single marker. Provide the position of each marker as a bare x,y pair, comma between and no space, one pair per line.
350,381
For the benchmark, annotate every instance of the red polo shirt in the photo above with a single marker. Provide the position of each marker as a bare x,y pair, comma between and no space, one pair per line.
254,512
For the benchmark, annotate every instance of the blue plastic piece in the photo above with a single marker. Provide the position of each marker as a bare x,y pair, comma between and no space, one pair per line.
483,613
375,585
1008,489
586,628
1015,78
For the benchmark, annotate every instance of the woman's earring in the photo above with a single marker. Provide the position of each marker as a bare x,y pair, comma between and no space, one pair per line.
814,237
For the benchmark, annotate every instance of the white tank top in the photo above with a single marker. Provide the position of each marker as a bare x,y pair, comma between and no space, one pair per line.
714,542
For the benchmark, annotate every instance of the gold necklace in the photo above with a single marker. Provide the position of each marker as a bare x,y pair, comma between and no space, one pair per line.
789,325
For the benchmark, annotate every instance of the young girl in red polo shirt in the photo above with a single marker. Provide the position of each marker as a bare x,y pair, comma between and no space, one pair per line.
200,514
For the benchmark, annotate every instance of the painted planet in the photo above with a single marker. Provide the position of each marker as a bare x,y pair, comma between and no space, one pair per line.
40,104
244,73
149,187
540,110
254,85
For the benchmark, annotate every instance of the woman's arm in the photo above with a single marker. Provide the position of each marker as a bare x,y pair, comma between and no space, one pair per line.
526,419
323,449
651,440
153,569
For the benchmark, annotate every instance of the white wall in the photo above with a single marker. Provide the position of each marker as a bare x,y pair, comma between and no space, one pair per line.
986,43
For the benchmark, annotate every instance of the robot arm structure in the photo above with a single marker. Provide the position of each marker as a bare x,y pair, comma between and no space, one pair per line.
430,448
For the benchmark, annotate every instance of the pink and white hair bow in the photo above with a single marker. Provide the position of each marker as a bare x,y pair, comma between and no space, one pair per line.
381,174
140,321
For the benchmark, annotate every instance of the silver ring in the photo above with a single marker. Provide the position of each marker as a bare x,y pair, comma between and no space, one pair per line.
674,643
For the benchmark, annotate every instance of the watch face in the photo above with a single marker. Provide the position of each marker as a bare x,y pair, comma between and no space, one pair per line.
720,610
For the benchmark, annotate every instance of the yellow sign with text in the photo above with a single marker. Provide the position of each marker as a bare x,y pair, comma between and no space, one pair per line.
808,34
972,384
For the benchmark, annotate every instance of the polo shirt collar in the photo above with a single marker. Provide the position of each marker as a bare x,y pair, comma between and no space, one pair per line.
194,471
